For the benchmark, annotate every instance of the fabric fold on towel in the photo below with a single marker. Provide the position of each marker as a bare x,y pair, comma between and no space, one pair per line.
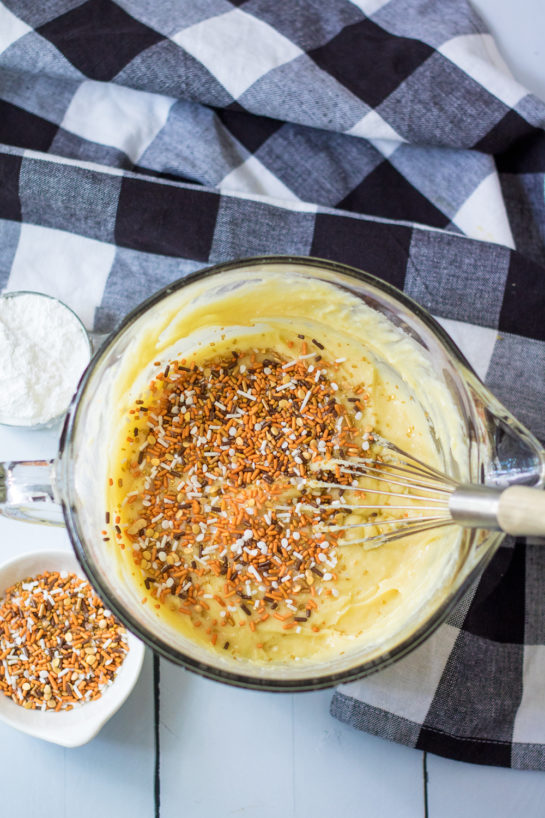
408,112
142,141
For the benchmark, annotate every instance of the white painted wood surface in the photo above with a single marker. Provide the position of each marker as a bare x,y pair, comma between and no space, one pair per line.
238,752
226,752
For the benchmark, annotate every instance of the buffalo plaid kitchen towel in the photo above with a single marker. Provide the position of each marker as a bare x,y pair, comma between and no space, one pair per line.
143,140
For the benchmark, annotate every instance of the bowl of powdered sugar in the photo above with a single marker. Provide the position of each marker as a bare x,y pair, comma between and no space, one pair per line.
44,351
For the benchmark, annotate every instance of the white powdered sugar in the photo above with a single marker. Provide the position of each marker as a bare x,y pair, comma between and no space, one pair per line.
43,352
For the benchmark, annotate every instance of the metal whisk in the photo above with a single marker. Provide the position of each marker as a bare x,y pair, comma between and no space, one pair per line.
425,499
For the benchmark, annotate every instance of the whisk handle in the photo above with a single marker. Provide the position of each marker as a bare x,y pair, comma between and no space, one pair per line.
521,511
517,510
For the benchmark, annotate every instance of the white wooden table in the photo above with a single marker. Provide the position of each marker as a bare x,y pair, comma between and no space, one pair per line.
182,746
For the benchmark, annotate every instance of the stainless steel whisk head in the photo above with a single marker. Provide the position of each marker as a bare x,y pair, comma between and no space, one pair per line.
427,499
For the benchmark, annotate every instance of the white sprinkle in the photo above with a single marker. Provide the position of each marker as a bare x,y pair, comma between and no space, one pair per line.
305,400
220,405
334,386
291,363
254,572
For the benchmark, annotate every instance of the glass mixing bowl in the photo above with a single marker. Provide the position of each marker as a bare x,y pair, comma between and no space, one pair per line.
499,451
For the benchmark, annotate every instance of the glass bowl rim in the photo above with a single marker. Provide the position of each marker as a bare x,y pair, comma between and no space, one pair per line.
232,677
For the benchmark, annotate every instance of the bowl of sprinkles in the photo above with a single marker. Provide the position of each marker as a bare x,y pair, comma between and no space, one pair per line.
66,663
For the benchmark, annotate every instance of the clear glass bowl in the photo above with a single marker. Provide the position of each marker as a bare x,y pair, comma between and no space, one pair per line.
499,449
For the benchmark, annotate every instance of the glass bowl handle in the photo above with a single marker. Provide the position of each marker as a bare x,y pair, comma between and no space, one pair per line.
28,491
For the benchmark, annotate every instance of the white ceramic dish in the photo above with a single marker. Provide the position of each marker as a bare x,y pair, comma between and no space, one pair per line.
69,728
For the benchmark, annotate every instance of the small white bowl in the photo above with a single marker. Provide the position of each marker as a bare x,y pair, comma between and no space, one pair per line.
69,728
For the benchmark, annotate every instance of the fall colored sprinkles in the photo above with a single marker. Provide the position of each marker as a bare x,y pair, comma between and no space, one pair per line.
58,645
223,514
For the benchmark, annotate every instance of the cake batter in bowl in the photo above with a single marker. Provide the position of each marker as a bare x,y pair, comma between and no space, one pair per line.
421,394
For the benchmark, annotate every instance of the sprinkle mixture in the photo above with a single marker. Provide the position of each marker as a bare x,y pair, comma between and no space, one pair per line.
222,506
58,645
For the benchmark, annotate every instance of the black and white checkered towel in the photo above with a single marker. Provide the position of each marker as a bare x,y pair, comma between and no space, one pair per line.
145,139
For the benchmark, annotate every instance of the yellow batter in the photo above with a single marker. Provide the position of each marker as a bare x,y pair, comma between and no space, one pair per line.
376,592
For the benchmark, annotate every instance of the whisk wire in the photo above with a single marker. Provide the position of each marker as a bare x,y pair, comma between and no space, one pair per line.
378,474
380,523
324,484
390,536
